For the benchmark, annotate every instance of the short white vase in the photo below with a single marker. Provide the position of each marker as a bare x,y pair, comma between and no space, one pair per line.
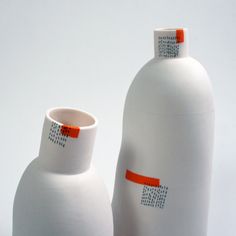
163,174
60,193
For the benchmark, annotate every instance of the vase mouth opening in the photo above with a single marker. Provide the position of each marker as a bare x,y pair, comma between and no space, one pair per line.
170,29
72,117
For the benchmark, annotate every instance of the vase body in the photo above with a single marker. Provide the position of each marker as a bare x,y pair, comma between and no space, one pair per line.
60,192
163,173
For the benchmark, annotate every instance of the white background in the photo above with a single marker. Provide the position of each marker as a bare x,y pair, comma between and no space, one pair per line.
85,54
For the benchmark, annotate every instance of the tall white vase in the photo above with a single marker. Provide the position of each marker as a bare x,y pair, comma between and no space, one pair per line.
164,169
60,193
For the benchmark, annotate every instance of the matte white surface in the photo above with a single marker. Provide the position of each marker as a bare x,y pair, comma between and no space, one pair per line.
60,193
168,133
85,54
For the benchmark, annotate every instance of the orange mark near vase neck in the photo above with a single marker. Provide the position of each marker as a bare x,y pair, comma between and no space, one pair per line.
140,179
179,36
70,131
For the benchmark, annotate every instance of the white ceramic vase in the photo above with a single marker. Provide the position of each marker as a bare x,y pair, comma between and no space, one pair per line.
163,174
60,193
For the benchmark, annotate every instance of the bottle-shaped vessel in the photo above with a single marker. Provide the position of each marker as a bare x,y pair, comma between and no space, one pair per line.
163,173
60,192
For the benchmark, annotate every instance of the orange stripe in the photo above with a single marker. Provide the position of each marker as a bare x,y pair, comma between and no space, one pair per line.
140,179
70,131
179,36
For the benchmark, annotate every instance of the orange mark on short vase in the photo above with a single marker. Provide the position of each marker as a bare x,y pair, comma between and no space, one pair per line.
70,131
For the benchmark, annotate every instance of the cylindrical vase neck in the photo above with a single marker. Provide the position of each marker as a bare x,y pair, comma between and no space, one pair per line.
170,43
67,140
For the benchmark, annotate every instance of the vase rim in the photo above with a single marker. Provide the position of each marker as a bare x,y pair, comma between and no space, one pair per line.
84,120
170,29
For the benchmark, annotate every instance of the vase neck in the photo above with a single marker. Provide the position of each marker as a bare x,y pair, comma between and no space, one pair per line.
170,43
67,141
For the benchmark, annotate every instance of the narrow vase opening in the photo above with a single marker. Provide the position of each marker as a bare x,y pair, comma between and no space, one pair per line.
71,117
168,29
